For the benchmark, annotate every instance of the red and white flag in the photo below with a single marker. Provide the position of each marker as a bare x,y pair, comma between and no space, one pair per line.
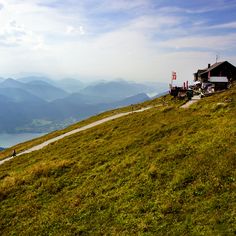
173,75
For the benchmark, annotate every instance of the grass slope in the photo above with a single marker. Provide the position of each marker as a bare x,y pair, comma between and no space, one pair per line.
165,171
164,101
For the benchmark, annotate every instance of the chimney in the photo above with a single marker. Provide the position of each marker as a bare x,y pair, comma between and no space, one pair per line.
209,65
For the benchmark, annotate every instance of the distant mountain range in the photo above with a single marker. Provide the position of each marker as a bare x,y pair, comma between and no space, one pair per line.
38,104
37,88
115,89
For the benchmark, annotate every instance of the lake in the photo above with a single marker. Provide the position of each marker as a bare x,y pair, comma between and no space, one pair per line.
8,140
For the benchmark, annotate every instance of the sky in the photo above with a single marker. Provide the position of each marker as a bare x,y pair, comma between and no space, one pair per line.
139,40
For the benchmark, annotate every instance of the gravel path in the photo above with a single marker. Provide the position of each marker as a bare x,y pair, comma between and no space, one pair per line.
44,144
193,100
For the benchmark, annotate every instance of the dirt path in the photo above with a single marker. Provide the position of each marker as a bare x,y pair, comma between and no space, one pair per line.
193,100
44,144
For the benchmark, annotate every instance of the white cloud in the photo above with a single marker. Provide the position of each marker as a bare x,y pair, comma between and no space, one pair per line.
230,25
122,53
37,18
202,42
48,39
121,5
14,35
208,7
71,30
155,22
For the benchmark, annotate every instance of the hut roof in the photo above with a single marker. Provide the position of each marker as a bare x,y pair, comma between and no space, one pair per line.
203,71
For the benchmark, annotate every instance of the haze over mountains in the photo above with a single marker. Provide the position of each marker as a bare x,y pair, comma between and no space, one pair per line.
39,104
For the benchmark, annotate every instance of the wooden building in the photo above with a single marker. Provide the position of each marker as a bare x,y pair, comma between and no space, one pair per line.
219,72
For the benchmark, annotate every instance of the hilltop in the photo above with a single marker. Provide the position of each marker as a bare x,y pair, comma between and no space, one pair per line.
164,171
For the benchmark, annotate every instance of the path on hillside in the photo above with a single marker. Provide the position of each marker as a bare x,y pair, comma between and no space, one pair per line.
44,144
194,99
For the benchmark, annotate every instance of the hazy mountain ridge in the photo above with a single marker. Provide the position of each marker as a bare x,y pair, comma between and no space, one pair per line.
118,89
39,104
70,85
37,88
19,95
28,79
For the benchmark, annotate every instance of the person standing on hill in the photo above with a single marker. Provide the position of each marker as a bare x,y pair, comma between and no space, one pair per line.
14,153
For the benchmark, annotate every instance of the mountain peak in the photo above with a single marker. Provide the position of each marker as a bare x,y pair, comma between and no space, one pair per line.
11,83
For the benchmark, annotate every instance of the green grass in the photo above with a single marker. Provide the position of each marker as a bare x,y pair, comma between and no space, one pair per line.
165,171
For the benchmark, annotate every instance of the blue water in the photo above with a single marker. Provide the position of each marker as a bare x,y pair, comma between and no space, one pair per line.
8,140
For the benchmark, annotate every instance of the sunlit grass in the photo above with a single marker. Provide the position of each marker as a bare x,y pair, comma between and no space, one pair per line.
165,171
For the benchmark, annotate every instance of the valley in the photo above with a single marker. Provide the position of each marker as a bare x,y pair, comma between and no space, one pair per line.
41,105
9,140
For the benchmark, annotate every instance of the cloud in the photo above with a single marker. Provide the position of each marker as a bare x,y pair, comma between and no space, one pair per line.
140,39
122,53
222,42
121,5
207,7
14,34
230,25
71,30
155,22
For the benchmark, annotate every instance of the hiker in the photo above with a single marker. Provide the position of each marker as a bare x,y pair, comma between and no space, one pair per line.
14,153
189,94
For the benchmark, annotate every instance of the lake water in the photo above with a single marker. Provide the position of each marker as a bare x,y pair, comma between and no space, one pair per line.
8,140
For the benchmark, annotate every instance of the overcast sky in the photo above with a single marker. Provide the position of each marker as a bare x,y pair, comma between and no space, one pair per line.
140,40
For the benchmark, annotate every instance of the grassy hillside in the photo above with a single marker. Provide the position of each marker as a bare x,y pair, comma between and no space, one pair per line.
165,171
163,101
